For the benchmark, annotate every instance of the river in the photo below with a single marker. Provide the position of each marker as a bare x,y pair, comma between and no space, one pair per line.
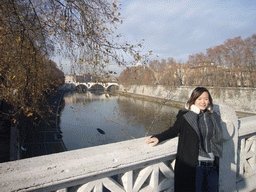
89,120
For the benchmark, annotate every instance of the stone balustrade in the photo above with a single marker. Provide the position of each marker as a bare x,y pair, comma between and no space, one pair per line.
246,167
132,162
132,165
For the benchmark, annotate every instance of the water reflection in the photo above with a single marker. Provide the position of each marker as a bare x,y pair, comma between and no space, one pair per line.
86,117
154,117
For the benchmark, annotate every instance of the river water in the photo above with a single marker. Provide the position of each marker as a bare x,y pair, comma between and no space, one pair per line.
90,120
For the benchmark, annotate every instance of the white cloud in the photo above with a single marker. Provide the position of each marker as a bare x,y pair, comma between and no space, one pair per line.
182,27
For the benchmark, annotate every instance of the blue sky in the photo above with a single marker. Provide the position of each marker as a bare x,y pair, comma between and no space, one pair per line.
179,28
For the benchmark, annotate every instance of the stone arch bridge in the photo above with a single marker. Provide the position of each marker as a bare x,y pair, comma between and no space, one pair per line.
96,86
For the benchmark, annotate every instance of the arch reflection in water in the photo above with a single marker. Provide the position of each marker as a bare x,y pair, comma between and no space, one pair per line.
86,117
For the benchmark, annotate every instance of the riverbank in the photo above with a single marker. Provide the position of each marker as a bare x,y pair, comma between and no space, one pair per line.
239,98
177,104
46,137
42,139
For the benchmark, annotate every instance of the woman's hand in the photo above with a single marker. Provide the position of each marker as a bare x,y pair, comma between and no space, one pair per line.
153,140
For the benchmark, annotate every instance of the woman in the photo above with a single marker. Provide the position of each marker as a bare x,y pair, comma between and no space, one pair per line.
200,144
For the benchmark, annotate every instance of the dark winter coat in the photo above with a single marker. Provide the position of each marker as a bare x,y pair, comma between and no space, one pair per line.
186,127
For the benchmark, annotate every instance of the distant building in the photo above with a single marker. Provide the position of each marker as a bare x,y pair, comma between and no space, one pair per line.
83,78
70,79
110,79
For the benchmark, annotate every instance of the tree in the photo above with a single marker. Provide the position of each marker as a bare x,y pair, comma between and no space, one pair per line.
233,61
83,31
168,72
159,69
250,56
216,55
197,59
139,75
33,31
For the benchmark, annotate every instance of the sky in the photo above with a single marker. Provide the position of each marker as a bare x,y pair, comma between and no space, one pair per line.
179,28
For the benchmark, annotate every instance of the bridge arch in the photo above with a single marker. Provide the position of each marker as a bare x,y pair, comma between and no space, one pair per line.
97,87
81,88
112,88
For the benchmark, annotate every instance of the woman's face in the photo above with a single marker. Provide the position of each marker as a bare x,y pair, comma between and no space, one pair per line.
202,101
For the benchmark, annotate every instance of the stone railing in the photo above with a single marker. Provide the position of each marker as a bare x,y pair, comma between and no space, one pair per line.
246,167
130,165
125,166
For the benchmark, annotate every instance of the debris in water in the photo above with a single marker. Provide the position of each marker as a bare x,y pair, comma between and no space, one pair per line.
100,131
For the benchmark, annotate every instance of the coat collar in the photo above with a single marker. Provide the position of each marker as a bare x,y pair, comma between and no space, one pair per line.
196,109
192,117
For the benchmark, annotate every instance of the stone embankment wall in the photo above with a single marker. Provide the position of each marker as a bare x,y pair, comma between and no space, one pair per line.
240,99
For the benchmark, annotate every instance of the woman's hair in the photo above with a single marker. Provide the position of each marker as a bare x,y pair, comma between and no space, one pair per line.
195,94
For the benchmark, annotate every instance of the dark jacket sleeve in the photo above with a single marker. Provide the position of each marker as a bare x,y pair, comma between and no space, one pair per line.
172,131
